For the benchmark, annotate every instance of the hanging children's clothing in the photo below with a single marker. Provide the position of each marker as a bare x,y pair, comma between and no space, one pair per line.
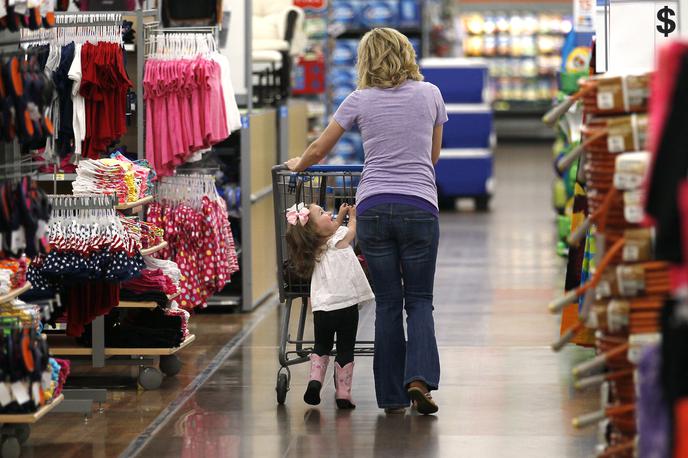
92,250
190,103
88,111
104,86
199,235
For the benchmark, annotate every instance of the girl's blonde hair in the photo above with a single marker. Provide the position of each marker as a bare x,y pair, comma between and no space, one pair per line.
386,59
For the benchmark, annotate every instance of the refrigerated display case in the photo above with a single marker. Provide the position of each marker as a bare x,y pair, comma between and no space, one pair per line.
523,52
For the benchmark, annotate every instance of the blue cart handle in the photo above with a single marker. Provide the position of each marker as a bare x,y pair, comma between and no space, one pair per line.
353,168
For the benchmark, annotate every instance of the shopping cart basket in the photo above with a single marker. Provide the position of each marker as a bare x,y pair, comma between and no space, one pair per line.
328,186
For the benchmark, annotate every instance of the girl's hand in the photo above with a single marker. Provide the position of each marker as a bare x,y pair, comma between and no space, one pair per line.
292,164
343,210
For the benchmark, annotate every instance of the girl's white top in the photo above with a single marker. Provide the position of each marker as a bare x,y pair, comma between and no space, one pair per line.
338,279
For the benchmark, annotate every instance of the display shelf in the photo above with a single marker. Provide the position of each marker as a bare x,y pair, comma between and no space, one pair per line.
137,305
15,293
138,203
155,249
31,418
60,346
224,301
59,176
523,107
358,32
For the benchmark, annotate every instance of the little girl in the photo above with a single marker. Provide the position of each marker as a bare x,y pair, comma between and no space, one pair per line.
320,248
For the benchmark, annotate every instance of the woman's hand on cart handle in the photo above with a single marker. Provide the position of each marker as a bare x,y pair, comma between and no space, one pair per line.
293,164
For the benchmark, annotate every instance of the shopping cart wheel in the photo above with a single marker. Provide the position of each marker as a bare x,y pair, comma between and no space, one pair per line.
282,388
22,432
170,365
10,447
150,378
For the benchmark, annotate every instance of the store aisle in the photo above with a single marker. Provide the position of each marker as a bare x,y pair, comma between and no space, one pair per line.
503,392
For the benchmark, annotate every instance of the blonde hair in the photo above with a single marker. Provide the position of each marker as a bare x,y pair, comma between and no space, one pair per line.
386,59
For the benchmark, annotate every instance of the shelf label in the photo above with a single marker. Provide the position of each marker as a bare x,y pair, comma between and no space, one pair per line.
244,122
59,176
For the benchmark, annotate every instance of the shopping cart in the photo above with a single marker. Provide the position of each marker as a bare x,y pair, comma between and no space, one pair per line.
328,186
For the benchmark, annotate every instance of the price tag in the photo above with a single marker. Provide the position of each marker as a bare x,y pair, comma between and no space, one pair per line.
20,391
18,242
617,315
59,177
5,394
631,280
605,100
616,144
603,290
631,253
633,208
46,379
36,392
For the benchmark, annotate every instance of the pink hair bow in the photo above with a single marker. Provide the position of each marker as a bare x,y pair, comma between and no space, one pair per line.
298,213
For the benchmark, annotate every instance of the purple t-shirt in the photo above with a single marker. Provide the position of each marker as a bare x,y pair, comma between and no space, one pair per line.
396,125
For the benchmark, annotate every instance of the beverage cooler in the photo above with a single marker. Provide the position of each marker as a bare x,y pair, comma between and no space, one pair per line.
465,167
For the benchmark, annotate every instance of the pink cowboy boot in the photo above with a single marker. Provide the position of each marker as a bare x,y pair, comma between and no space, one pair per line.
342,383
315,380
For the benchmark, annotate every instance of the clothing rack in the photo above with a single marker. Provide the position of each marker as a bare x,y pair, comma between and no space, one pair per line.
16,427
90,202
83,18
156,32
143,22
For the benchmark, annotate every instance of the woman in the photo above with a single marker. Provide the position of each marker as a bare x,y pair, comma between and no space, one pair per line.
400,118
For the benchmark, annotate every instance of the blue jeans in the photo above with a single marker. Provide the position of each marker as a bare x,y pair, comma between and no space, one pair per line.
400,243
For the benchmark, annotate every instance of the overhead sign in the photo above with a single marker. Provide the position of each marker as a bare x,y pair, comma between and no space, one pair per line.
584,15
636,30
311,4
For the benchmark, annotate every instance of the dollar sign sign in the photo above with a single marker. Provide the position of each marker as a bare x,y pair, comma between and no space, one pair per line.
668,25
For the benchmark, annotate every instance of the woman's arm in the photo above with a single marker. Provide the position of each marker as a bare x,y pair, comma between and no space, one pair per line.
436,143
317,150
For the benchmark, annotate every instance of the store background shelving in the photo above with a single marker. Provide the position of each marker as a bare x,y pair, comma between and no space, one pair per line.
521,42
523,51
348,22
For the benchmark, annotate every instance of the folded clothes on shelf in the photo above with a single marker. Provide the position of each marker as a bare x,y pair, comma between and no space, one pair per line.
151,280
169,268
141,329
129,180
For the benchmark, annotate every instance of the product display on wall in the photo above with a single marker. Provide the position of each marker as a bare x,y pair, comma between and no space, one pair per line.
523,50
197,228
88,113
632,286
101,268
184,118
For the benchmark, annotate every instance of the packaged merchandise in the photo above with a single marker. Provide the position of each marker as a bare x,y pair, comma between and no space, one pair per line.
344,13
378,14
345,52
409,13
